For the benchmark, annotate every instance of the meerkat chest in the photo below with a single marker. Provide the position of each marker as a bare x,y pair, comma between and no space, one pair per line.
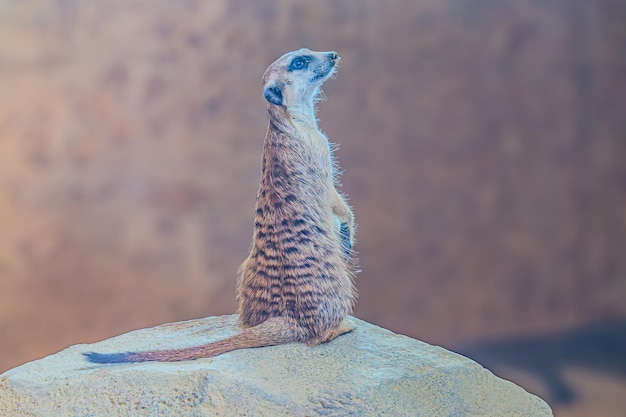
319,148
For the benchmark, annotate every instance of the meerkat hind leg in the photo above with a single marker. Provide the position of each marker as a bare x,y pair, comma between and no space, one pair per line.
344,327
331,334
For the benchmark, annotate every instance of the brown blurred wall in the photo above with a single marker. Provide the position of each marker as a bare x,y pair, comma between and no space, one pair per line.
482,141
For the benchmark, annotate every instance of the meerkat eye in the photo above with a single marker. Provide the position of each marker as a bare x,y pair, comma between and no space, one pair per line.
299,63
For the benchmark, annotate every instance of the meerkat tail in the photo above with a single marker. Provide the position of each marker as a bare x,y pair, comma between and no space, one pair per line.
274,331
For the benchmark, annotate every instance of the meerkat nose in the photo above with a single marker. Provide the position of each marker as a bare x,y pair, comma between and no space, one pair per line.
333,56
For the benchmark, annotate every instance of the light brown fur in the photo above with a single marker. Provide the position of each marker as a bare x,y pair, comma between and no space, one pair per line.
297,283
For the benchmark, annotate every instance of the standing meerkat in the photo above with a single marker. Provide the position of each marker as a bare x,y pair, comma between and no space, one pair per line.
296,285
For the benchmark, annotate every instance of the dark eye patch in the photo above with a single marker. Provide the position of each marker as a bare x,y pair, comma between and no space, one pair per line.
300,63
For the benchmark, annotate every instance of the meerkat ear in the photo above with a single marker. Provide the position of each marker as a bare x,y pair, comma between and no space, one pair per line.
274,94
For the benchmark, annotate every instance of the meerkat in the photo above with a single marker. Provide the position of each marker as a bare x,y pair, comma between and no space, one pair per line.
296,284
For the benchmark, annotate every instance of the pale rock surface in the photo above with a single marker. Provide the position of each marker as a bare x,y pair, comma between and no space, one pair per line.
370,372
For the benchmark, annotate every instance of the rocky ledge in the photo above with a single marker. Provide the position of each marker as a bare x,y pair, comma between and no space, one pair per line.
369,372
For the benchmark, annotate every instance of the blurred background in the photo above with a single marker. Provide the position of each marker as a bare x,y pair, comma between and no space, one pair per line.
483,143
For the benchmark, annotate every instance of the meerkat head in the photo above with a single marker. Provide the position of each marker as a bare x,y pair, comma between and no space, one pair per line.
294,79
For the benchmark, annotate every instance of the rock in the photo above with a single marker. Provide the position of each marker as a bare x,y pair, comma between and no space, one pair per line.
369,372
